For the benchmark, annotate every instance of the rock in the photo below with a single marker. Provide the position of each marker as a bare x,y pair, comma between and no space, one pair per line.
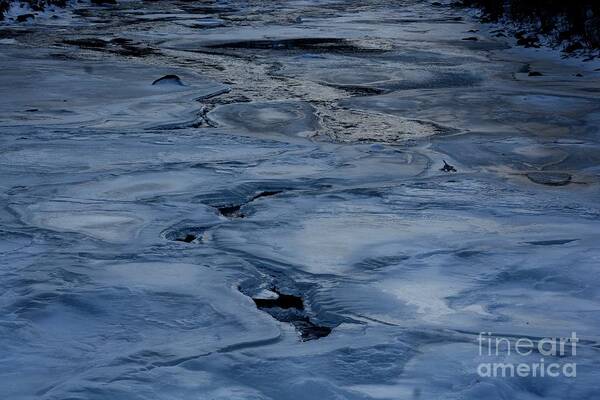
234,210
550,178
471,38
284,301
168,79
535,73
189,238
24,17
447,167
186,234
231,211
309,330
573,47
290,309
530,41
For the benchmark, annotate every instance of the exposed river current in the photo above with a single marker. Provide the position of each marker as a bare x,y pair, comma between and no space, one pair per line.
292,200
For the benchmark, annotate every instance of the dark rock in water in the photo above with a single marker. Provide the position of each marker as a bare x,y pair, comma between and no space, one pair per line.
185,233
231,211
535,73
447,167
189,238
549,178
551,242
472,38
234,210
168,79
310,331
290,308
284,301
578,75
24,17
230,202
102,2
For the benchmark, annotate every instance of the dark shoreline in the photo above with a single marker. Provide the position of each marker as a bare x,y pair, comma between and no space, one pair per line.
35,5
573,25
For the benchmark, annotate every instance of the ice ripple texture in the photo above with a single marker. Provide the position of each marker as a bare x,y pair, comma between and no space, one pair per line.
269,220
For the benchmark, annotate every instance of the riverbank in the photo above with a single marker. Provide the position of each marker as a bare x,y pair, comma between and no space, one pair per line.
571,26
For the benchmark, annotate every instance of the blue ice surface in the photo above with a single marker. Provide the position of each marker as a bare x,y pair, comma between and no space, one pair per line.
136,228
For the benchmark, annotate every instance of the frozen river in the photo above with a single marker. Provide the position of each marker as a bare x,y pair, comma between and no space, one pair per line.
245,200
